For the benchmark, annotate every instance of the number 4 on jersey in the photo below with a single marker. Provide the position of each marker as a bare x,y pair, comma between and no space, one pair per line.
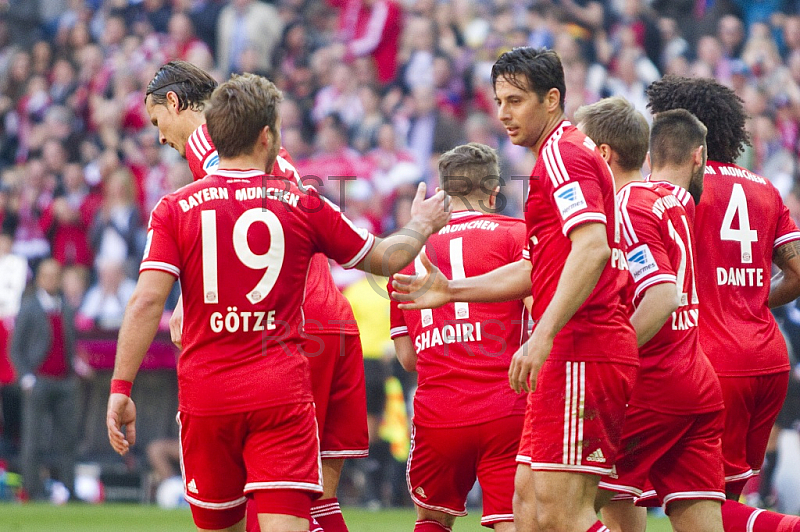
737,206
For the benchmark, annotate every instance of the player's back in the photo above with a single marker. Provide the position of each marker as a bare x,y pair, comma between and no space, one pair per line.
326,309
244,242
657,220
464,349
741,219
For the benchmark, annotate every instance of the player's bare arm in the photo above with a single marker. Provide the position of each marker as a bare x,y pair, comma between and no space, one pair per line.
406,353
507,283
391,254
785,285
653,311
584,265
135,336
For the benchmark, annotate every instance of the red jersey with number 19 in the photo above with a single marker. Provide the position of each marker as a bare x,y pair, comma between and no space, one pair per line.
326,309
243,281
572,185
464,349
656,224
741,220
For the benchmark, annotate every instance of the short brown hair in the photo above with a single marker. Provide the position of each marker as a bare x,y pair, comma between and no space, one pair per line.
240,109
675,136
469,170
615,122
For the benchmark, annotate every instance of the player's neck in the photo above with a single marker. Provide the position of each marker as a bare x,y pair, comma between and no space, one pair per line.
479,205
552,124
623,177
253,161
673,174
194,119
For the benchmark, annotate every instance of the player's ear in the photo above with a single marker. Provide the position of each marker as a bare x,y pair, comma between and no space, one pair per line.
173,102
698,156
647,160
553,99
605,152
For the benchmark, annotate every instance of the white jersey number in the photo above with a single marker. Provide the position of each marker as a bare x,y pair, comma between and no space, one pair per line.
271,261
744,235
457,266
686,256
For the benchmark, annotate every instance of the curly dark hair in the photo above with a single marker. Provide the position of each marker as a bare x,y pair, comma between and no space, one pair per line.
717,106
531,69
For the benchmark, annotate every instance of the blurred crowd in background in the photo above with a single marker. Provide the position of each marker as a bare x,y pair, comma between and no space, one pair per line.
374,91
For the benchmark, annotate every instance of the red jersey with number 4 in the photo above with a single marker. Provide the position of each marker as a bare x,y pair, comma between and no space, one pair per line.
572,185
464,349
241,244
741,220
675,377
326,309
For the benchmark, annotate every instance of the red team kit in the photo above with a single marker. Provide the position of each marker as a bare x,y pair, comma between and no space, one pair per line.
641,418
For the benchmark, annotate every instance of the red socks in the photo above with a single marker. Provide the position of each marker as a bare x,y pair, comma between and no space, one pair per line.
598,527
329,515
737,517
429,525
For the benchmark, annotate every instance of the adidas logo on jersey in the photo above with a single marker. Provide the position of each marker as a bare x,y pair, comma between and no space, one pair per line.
192,486
421,492
596,456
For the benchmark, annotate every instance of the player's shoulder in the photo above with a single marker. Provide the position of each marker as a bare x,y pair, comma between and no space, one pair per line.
569,139
717,172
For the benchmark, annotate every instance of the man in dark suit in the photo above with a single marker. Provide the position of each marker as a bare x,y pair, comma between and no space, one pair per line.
43,350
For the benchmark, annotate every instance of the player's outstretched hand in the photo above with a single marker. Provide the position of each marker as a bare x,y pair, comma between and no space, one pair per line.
434,212
121,414
526,363
415,292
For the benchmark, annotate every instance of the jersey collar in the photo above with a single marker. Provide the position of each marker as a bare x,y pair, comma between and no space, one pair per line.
557,132
240,174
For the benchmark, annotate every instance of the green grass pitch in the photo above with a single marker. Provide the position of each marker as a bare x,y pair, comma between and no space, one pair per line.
134,518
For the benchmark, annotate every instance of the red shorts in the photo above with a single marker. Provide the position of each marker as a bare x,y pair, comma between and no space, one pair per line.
574,417
752,405
340,396
681,456
227,456
443,464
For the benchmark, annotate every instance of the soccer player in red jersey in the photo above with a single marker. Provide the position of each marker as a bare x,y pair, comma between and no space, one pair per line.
673,424
742,228
246,409
467,420
581,360
175,101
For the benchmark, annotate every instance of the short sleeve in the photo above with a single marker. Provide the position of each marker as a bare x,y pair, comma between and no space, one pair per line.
647,256
397,319
161,250
333,233
786,230
573,184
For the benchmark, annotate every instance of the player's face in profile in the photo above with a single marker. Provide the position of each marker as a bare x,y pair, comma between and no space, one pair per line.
522,112
164,117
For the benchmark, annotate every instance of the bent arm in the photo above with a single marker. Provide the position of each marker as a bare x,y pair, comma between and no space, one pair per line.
141,322
391,254
655,308
584,265
506,283
785,285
